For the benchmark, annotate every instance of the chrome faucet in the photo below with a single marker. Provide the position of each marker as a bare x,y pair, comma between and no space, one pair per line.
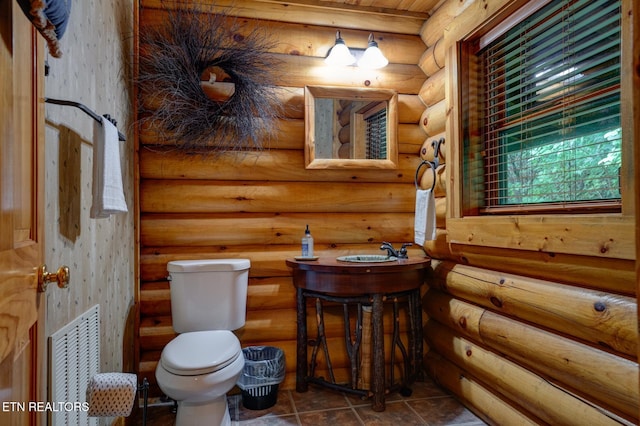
391,252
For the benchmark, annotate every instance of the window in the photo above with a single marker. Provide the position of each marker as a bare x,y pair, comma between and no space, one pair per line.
543,132
376,135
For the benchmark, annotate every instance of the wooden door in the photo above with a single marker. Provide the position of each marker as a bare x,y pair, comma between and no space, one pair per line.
21,206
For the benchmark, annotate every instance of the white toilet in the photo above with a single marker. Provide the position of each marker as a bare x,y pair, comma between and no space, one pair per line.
199,366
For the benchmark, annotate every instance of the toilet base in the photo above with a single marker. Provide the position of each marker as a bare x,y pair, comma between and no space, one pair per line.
215,413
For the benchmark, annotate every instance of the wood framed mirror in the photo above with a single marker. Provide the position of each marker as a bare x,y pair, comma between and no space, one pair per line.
350,128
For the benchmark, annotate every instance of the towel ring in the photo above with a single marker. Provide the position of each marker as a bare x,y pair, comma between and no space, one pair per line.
433,166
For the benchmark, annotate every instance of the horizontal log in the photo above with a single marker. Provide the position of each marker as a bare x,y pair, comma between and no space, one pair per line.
441,213
270,165
266,262
261,323
300,71
270,294
437,180
344,114
434,119
427,150
344,136
297,38
273,228
372,19
597,236
289,134
474,15
154,333
438,248
462,317
180,196
157,331
268,326
602,319
589,372
410,138
291,100
434,27
262,293
433,59
486,404
432,91
610,380
611,275
531,393
410,108
155,299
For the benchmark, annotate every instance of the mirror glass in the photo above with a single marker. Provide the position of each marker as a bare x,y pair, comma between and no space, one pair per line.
350,128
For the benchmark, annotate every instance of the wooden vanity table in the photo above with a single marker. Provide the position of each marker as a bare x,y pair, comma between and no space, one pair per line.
361,284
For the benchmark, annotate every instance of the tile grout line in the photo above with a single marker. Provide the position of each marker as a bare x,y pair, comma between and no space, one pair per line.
295,409
353,409
415,412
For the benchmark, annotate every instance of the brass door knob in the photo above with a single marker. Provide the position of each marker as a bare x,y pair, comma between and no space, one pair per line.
61,276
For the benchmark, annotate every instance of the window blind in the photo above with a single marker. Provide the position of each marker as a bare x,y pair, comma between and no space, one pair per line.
377,135
551,109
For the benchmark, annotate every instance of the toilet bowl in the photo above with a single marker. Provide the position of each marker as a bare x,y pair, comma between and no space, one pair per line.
200,365
197,369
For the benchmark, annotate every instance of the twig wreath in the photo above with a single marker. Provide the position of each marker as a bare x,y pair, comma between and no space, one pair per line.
177,58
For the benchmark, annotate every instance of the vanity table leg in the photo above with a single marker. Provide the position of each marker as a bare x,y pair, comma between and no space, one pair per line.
415,336
301,349
377,337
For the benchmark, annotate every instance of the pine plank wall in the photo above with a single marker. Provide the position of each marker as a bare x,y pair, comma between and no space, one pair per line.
523,335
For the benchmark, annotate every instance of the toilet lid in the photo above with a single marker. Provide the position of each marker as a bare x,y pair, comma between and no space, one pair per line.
200,352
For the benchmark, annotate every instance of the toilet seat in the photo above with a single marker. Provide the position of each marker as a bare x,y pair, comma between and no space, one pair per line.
200,352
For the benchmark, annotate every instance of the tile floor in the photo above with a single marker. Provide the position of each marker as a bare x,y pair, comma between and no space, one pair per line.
428,405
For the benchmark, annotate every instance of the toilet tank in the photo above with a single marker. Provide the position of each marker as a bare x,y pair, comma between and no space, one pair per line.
208,294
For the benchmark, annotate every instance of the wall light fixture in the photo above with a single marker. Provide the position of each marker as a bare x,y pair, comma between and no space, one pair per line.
341,55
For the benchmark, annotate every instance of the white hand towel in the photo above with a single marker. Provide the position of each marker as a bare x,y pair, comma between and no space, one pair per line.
425,217
108,194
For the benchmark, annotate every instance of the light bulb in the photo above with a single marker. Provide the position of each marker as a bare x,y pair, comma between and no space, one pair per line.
339,55
372,58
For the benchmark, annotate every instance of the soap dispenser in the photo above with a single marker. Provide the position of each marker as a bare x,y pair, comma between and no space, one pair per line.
307,243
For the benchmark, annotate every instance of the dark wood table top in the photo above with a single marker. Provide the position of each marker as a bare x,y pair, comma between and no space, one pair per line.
329,275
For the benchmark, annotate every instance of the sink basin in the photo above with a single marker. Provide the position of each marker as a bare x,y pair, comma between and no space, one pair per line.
366,258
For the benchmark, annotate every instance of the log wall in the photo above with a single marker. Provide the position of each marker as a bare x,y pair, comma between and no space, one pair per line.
526,336
255,205
525,332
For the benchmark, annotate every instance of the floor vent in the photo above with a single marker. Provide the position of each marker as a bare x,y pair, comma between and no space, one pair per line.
74,356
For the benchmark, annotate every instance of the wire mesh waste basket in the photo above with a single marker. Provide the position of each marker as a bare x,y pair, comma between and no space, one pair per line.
264,369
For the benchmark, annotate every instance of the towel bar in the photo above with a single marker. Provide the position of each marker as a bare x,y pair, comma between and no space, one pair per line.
86,110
